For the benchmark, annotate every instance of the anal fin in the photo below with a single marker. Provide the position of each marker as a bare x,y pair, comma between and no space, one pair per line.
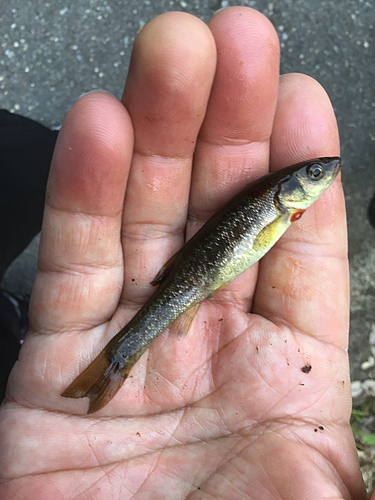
183,323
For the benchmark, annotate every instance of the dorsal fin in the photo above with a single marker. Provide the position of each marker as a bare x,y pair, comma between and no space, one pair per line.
166,269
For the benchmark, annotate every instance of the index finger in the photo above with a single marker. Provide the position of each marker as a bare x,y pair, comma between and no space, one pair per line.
303,281
233,144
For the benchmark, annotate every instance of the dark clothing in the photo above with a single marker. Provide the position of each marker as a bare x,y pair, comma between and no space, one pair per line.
26,149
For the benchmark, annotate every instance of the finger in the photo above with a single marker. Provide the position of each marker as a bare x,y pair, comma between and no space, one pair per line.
305,124
233,145
303,280
80,258
170,77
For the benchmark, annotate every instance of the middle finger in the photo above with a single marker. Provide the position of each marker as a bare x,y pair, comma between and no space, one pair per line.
233,145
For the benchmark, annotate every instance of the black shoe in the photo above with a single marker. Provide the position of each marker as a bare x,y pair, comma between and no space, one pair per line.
371,212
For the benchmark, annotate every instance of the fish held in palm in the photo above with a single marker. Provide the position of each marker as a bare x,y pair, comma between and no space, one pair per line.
234,239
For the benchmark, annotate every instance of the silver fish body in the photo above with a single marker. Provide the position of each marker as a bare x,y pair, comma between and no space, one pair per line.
234,239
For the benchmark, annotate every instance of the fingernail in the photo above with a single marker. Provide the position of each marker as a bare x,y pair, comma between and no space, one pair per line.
102,91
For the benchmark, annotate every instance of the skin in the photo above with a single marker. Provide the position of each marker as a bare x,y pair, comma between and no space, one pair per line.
227,411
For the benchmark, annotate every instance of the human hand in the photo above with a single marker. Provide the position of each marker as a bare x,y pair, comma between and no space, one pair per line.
248,405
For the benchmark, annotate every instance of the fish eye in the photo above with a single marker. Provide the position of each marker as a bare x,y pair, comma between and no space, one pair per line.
315,171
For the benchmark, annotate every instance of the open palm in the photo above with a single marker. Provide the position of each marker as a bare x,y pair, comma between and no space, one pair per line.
247,405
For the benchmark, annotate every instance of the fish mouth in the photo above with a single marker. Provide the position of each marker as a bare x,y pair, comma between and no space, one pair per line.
332,164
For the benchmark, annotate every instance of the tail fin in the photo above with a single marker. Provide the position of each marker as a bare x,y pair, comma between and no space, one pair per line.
100,381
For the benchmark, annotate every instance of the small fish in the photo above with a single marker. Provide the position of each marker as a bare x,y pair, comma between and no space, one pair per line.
234,239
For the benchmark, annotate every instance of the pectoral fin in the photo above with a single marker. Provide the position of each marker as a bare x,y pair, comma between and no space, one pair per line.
214,292
268,236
